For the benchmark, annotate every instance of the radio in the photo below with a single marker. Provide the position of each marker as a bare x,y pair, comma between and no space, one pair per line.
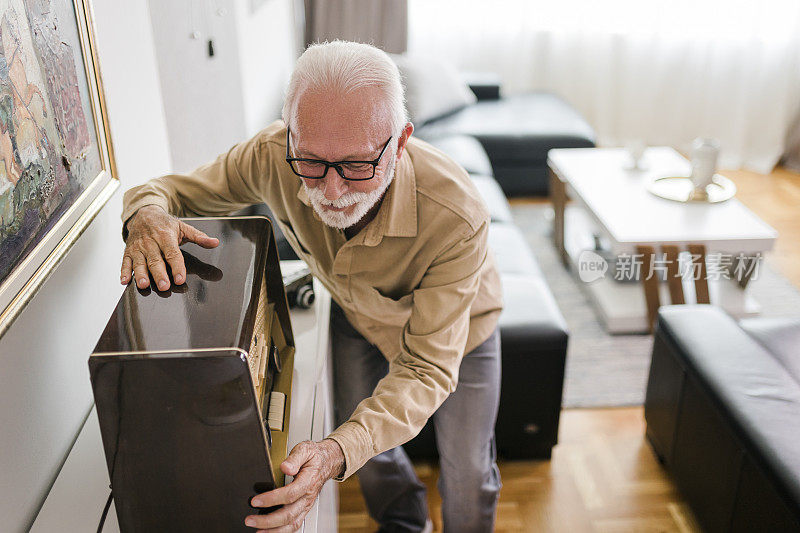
193,385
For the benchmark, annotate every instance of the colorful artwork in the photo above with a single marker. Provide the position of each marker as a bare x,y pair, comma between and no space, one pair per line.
56,161
48,144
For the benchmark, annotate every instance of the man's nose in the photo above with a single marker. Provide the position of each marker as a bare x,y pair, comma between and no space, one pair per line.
334,185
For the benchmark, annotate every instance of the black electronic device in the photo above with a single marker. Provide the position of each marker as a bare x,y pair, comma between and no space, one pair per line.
193,385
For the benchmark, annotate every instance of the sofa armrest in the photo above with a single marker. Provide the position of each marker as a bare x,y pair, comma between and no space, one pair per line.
485,85
751,391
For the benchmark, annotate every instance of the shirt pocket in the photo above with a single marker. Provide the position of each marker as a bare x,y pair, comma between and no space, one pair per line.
381,309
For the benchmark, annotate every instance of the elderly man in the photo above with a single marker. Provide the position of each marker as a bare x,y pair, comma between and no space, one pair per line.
397,233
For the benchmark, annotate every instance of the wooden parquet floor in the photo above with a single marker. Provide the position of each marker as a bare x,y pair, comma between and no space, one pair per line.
775,198
603,476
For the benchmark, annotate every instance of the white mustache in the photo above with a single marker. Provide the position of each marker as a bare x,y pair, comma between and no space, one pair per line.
345,200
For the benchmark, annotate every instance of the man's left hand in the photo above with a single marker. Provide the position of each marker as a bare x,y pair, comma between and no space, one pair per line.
312,464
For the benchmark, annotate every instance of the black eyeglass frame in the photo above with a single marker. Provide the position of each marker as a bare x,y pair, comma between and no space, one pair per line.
337,165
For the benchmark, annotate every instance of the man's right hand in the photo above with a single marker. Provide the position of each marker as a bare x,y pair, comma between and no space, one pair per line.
153,237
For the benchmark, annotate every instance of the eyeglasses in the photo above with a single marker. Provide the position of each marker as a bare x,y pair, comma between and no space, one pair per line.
316,169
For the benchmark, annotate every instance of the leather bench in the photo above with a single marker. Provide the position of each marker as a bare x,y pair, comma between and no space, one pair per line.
723,416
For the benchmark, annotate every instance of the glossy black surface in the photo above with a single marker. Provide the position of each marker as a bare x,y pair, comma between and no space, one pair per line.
183,438
214,308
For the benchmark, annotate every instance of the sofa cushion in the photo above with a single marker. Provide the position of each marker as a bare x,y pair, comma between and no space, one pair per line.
433,88
466,151
781,336
512,254
752,390
530,314
517,128
493,196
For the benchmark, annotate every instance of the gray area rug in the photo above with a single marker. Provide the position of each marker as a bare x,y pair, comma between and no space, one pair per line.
611,370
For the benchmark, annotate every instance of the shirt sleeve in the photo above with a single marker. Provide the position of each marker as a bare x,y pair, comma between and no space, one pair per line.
234,180
425,373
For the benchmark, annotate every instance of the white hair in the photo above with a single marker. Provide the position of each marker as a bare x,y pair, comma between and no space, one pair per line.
345,66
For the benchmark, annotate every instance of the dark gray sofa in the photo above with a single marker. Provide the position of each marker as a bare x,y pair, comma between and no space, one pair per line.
516,132
723,416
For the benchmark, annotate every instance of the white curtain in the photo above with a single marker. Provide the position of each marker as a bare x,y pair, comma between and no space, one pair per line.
665,71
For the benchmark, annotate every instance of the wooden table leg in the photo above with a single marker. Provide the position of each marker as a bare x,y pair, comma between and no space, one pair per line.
673,274
744,273
558,197
650,284
698,252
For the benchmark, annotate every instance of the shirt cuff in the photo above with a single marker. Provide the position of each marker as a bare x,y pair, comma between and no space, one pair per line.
129,210
356,444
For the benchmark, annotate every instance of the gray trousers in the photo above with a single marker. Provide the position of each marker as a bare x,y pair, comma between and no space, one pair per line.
469,481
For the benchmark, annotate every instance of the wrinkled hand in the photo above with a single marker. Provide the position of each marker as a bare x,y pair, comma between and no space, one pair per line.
311,464
154,236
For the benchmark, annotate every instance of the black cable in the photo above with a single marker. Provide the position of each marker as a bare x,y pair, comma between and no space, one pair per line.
105,512
116,449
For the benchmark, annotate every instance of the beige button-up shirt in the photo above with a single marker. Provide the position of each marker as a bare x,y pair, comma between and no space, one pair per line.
418,281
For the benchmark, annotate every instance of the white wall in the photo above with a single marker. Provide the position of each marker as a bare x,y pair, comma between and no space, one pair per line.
212,103
267,51
202,94
45,392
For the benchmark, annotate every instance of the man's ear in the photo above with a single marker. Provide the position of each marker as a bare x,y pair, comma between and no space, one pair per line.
401,143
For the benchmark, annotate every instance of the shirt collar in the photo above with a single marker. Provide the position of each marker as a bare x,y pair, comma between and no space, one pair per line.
302,195
397,216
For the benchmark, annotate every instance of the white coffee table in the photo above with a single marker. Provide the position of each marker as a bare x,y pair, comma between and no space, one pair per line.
612,207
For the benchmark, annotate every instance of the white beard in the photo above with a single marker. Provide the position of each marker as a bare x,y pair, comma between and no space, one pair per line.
363,202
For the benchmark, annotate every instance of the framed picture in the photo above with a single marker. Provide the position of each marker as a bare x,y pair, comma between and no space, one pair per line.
56,160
